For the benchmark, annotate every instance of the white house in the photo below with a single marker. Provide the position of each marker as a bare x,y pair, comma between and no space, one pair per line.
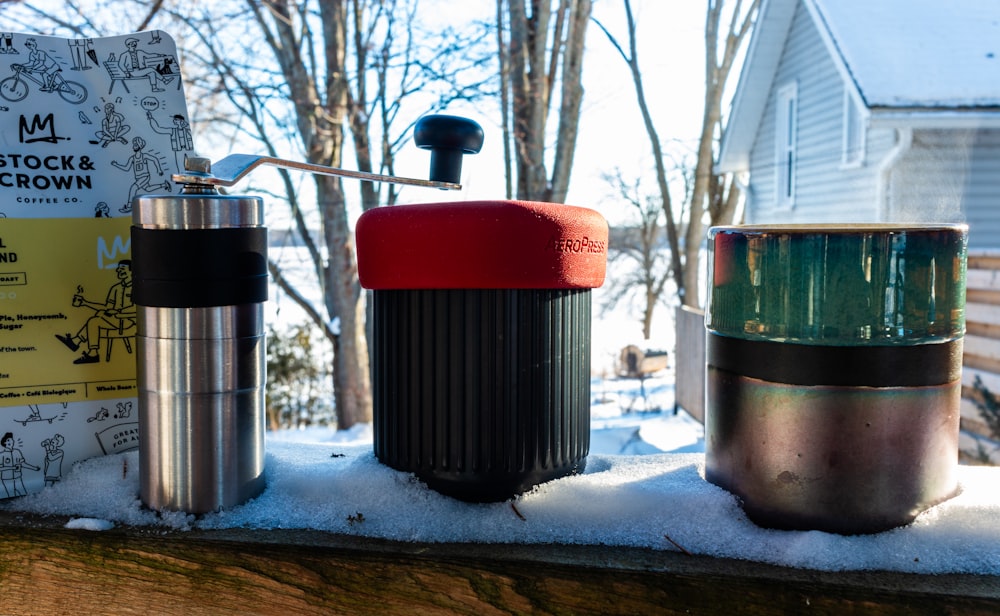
871,110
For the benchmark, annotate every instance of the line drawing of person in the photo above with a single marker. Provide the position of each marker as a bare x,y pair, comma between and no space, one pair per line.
53,459
180,136
41,62
11,463
139,163
136,62
8,43
117,313
80,50
113,127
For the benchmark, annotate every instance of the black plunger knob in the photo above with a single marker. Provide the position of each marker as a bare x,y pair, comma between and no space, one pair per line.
448,138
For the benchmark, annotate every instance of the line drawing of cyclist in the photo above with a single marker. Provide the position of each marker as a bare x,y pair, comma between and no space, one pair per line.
139,163
41,62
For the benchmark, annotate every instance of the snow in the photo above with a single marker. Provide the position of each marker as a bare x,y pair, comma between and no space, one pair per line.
89,524
331,481
919,53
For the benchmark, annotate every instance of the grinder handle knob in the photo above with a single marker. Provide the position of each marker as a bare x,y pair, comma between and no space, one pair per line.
448,138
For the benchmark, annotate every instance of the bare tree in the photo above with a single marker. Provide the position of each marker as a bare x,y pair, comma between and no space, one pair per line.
311,80
713,198
637,244
640,244
542,42
348,66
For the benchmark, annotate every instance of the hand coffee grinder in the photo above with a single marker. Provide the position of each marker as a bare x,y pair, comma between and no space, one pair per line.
200,274
481,349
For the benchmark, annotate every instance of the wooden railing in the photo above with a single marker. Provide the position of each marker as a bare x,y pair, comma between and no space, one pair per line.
47,569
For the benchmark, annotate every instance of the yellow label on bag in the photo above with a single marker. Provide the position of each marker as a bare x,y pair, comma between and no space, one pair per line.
67,320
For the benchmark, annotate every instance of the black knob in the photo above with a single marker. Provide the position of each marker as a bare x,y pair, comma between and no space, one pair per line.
448,138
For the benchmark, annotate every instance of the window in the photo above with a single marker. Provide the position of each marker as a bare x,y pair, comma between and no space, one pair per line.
786,122
854,132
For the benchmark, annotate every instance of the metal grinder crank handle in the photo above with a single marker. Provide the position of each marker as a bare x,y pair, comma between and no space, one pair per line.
447,137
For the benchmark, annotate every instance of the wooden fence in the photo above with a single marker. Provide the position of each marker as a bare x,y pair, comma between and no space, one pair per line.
982,355
689,364
981,359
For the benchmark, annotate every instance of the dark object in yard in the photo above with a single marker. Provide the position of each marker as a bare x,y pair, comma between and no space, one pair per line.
634,363
834,358
481,371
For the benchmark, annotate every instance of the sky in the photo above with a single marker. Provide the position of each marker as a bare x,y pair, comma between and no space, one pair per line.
670,37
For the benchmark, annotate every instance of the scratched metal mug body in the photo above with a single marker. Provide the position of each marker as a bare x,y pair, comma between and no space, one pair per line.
834,363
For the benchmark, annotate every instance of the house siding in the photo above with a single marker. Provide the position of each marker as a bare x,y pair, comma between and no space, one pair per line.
951,176
826,191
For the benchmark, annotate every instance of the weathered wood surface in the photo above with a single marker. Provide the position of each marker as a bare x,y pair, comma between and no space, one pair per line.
47,569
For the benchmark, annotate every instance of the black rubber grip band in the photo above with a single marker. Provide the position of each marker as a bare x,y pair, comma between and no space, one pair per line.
199,267
859,366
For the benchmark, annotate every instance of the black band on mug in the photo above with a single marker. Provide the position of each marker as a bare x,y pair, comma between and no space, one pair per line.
853,366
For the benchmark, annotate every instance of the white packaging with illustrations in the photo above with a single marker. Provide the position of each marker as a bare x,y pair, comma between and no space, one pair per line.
88,124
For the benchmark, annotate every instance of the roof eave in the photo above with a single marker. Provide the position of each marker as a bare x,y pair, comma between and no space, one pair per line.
927,118
754,84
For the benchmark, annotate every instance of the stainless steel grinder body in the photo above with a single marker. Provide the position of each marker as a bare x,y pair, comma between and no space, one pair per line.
200,266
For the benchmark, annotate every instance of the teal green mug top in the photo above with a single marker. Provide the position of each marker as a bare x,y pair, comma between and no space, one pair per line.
864,284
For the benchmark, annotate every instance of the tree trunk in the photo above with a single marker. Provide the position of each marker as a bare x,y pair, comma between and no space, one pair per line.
707,193
352,382
324,141
695,236
572,97
532,72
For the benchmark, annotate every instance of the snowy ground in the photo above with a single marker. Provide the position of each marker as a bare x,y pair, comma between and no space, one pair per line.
629,418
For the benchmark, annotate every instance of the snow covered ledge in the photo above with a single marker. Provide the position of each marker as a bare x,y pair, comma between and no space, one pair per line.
338,532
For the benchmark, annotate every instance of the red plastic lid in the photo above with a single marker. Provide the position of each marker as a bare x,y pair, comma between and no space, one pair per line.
482,245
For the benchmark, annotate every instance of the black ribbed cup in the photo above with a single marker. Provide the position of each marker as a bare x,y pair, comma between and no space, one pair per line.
482,393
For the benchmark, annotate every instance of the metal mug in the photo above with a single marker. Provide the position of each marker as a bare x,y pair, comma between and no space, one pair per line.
834,360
